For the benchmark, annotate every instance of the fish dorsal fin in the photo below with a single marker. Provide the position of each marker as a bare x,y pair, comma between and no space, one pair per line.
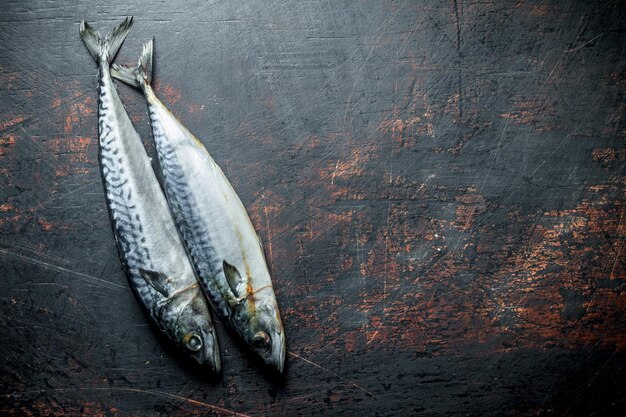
234,278
157,280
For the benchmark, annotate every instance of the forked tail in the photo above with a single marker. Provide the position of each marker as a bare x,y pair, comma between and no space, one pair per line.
104,48
140,74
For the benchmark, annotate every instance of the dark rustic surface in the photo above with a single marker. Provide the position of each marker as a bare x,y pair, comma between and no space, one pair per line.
440,188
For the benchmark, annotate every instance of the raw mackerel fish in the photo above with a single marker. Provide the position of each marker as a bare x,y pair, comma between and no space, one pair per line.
150,248
224,247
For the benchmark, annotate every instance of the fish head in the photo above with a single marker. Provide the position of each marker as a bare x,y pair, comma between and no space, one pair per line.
255,313
264,332
183,315
195,334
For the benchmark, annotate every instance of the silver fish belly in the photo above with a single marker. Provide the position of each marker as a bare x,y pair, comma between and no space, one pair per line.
216,229
150,248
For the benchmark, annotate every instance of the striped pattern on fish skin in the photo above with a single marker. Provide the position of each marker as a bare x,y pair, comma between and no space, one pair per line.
117,175
151,251
190,224
216,229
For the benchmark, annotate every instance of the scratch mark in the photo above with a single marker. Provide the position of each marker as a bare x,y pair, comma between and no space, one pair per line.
303,257
552,152
371,339
354,384
495,155
386,258
190,401
332,179
617,258
583,44
49,266
147,392
458,48
38,253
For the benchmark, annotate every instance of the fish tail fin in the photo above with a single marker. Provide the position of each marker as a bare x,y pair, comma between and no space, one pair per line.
117,36
91,38
145,61
108,46
142,73
124,74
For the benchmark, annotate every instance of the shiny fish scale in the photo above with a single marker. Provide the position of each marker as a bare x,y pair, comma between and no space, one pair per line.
217,230
182,201
144,230
124,215
122,179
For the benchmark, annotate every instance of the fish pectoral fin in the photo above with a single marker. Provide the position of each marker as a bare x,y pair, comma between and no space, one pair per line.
234,279
228,295
157,280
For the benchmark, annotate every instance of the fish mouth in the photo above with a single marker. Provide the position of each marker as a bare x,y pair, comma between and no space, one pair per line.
276,357
210,358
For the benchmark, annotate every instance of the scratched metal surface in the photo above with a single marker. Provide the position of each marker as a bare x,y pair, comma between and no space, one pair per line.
439,186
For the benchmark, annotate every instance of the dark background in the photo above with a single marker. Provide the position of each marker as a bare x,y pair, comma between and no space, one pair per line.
440,187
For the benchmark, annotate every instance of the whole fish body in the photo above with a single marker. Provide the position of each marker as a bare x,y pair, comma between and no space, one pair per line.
150,248
216,229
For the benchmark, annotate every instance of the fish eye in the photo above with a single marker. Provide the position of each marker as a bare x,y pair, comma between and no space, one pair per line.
193,342
261,341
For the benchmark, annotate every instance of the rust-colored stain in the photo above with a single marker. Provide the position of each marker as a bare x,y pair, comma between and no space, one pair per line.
539,113
48,225
336,175
537,10
168,94
407,132
519,116
608,154
6,207
195,108
409,269
78,109
247,131
5,142
74,155
473,205
12,122
560,256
